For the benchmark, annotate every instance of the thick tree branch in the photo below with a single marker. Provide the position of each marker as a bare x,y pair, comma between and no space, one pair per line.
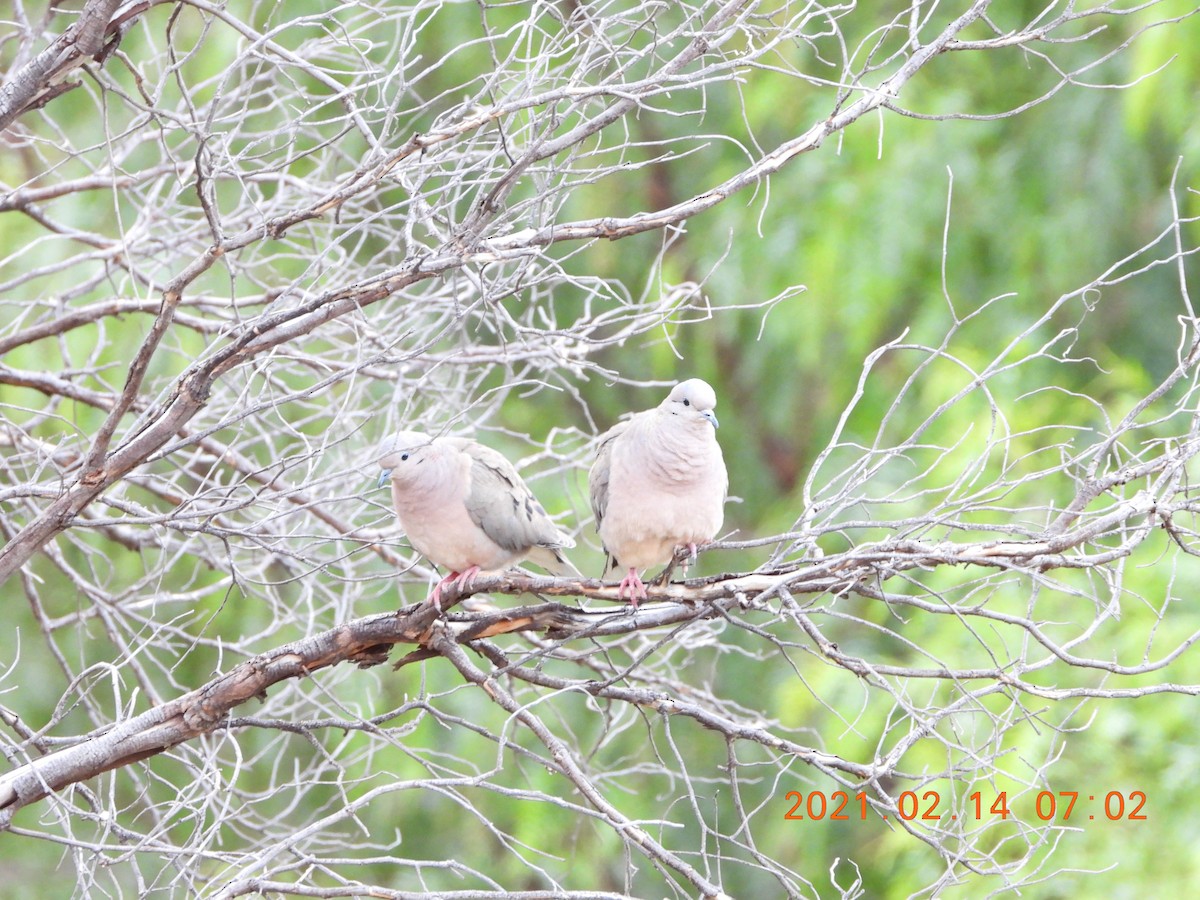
367,642
33,83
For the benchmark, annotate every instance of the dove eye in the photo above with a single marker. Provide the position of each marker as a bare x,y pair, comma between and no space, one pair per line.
403,457
687,402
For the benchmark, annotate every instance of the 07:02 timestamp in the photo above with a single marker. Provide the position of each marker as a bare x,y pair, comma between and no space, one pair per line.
815,805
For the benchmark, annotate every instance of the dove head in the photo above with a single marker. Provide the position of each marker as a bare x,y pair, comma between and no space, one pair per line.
402,453
694,400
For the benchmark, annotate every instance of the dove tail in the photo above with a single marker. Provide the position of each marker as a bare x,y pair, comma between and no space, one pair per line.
611,567
552,560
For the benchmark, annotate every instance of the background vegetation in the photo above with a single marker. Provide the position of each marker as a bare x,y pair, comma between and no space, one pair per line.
389,206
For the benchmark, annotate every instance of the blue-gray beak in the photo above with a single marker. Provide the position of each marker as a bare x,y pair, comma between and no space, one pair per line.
712,417
383,477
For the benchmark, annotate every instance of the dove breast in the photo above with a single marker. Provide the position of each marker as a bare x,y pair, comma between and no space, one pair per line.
464,505
659,480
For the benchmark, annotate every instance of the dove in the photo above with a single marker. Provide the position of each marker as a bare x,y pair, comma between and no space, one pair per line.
465,508
659,482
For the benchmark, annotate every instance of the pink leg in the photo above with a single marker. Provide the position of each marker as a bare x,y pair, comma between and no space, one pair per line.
678,558
460,580
436,597
467,576
632,583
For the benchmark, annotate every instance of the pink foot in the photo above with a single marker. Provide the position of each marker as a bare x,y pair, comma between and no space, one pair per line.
436,597
632,583
460,580
467,576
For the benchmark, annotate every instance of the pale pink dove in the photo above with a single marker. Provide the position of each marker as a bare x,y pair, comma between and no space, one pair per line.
465,508
659,482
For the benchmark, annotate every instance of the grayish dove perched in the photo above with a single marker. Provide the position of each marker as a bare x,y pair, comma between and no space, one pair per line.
465,508
659,482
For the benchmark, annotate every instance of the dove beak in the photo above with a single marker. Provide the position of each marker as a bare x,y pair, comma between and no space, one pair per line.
383,477
712,417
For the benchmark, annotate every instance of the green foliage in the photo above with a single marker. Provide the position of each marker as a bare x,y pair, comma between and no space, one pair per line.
898,229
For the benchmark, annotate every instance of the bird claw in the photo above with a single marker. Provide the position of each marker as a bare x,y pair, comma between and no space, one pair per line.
685,556
435,596
467,577
636,587
460,581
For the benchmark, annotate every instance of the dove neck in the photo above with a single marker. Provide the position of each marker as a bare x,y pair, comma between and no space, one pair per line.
673,447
